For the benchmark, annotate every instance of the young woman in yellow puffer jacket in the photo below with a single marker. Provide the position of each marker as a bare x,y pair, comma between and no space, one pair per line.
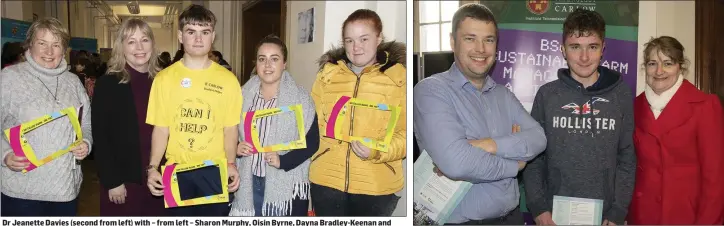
349,179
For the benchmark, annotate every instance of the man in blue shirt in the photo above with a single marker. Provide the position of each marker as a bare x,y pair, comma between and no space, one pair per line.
463,119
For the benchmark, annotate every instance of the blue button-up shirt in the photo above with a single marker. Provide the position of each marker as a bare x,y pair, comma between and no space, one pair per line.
449,111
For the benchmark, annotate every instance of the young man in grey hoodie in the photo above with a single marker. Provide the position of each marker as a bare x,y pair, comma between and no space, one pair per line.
587,115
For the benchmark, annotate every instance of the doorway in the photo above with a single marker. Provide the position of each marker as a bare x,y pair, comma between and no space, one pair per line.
260,18
709,65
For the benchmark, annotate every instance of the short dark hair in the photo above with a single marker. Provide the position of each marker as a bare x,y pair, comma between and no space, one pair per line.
83,61
82,53
273,39
179,55
12,51
196,15
583,22
217,54
473,10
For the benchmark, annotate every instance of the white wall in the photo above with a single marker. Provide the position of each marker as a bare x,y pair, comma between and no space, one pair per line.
24,10
394,17
337,12
38,8
228,31
81,19
17,10
672,18
165,39
391,13
222,11
100,32
302,57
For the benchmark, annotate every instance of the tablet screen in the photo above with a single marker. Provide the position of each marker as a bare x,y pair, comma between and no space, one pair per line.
201,182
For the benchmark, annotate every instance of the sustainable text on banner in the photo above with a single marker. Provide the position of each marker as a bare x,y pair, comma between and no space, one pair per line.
530,39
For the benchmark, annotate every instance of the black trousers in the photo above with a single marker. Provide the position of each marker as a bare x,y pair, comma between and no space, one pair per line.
332,202
515,217
25,207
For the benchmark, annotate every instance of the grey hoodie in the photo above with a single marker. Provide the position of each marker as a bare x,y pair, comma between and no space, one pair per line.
590,152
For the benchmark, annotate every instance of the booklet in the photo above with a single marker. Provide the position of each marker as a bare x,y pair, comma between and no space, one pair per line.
577,211
435,197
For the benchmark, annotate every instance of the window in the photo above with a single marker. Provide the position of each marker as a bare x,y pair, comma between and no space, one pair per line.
435,24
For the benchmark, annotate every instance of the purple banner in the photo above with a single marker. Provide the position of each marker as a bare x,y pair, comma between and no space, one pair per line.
527,59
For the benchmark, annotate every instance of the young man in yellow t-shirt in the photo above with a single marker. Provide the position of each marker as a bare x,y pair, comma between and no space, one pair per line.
195,107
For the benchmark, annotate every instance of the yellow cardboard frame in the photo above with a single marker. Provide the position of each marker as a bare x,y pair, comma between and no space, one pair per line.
21,147
251,133
171,194
342,107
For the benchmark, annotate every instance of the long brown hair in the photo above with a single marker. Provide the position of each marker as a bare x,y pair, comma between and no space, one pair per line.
117,63
271,39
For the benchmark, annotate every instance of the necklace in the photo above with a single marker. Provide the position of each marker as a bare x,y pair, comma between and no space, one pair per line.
54,94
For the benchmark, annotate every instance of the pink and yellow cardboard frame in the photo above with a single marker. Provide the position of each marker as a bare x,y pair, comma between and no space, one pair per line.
342,108
21,147
251,134
171,194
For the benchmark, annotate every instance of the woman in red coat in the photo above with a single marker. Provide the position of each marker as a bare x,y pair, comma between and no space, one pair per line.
679,142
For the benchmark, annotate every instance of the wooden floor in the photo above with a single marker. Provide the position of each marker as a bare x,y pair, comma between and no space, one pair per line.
88,200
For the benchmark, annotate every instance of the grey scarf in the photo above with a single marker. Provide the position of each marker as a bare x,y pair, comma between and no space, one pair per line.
280,187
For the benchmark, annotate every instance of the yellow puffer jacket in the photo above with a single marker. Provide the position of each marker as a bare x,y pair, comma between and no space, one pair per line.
335,165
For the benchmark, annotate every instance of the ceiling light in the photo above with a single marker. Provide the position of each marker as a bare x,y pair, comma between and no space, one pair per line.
133,7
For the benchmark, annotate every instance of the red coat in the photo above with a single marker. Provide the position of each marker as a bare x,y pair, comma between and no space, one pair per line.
680,160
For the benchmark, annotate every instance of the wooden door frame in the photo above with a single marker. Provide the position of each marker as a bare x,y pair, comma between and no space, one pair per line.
283,20
282,28
244,7
282,14
701,65
707,72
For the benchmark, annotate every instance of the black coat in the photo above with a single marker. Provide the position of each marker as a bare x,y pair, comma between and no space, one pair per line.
116,134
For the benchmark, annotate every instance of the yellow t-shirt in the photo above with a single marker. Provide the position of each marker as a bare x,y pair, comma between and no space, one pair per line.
195,105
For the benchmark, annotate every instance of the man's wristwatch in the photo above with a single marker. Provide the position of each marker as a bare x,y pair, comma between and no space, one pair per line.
151,167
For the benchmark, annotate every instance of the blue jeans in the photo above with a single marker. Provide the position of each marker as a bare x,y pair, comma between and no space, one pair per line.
23,207
299,207
258,186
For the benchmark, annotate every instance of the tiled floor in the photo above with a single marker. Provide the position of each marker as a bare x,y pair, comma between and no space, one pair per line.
88,200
